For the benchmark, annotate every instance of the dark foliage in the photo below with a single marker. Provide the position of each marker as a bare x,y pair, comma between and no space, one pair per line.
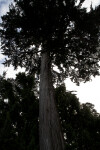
61,27
18,114
80,122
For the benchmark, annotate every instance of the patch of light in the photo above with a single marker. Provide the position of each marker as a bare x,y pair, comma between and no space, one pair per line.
6,100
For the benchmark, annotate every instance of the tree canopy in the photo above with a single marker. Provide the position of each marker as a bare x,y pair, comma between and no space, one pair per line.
62,28
18,113
80,122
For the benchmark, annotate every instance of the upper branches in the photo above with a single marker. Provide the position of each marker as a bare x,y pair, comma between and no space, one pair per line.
63,28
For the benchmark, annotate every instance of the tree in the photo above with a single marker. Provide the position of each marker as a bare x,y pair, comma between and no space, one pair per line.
80,122
18,113
40,34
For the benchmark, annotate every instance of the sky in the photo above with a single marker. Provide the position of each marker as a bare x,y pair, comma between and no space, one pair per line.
86,92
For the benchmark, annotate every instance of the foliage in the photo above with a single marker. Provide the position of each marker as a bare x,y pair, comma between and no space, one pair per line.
80,122
66,30
18,113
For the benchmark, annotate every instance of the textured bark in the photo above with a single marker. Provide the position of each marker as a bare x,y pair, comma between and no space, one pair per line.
50,132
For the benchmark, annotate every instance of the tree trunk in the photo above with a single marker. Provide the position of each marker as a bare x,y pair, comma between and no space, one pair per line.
50,132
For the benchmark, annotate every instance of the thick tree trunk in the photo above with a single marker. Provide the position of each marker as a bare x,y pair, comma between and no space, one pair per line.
50,132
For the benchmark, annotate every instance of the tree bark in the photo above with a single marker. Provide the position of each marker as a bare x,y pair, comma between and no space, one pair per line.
51,137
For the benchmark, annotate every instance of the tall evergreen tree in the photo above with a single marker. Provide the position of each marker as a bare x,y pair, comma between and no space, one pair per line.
40,34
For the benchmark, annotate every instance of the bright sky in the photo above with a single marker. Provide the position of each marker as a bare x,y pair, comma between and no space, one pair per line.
86,92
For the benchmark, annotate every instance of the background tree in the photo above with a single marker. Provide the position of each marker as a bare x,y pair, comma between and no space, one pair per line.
80,122
18,113
61,34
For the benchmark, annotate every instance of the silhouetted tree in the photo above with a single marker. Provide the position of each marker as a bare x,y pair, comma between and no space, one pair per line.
80,122
18,114
61,34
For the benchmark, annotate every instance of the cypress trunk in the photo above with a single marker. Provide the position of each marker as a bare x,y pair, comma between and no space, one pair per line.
49,127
